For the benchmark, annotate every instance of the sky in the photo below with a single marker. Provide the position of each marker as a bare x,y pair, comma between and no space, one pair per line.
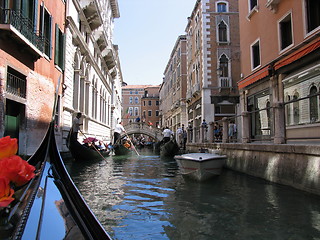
146,33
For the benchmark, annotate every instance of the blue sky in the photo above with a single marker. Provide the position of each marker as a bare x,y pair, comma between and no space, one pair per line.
146,33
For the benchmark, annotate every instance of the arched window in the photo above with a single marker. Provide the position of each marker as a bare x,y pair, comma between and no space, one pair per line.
130,111
313,105
221,7
288,113
224,66
268,114
223,32
136,111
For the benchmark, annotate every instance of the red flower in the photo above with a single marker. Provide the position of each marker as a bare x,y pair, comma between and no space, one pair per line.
16,170
5,192
8,147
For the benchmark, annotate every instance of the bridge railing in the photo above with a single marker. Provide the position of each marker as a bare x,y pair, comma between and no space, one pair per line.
143,128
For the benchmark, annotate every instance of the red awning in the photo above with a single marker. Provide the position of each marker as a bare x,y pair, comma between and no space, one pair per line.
298,54
262,73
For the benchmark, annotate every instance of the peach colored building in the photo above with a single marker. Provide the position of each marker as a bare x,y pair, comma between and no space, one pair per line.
150,106
132,102
213,67
31,61
280,64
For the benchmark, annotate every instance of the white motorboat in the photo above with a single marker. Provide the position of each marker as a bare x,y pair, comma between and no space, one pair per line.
200,166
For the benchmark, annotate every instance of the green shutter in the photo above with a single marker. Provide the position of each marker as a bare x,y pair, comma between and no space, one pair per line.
35,15
62,51
56,46
50,37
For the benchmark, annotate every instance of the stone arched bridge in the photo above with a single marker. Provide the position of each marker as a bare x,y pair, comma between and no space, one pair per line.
143,128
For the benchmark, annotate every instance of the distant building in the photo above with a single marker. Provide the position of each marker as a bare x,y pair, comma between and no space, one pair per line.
213,64
31,62
150,106
280,63
131,102
174,87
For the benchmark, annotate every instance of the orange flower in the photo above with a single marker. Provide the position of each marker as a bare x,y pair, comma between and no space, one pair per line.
16,170
5,192
8,147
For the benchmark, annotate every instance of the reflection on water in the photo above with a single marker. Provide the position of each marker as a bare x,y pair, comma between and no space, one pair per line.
146,198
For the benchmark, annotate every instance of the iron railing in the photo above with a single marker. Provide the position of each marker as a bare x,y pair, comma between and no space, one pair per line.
262,130
16,86
23,24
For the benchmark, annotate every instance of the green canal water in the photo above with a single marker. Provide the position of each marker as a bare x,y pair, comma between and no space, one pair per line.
146,198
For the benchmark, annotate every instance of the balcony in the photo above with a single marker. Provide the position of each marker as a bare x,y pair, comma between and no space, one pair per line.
16,86
92,13
108,55
22,30
225,82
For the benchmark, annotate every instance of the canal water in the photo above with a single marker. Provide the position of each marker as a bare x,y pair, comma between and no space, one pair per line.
146,198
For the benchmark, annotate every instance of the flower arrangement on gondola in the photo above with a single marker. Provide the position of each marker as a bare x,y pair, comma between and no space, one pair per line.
14,171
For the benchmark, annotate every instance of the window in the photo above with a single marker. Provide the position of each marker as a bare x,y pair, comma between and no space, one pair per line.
136,111
255,54
313,104
285,32
312,14
224,68
130,111
252,4
149,113
46,30
296,109
223,32
131,100
136,100
149,103
157,113
157,103
221,7
59,48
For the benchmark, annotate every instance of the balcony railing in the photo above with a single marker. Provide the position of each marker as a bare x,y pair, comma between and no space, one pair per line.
16,86
225,82
22,24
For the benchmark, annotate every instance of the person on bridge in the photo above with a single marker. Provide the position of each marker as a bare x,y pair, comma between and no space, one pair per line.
117,132
167,133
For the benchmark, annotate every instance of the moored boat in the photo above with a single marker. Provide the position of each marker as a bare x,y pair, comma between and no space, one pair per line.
50,205
200,166
82,153
169,149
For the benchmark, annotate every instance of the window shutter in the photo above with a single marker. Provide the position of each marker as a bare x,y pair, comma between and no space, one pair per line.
62,51
50,37
56,45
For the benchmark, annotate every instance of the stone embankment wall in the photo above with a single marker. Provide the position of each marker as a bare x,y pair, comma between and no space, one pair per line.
297,166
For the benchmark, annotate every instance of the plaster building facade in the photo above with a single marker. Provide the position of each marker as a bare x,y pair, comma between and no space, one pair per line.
31,62
174,87
150,106
281,70
131,102
135,99
93,79
213,67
